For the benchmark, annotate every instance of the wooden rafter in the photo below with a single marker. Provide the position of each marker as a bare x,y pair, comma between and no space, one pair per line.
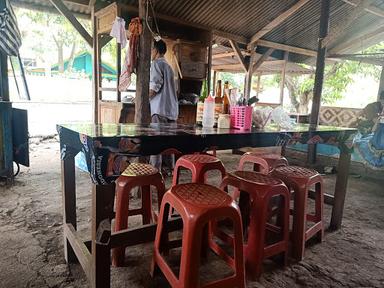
237,67
372,32
228,54
370,9
223,55
263,58
60,6
369,60
234,37
278,20
287,48
239,55
346,22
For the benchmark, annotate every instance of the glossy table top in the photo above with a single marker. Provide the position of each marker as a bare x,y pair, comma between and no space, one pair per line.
133,130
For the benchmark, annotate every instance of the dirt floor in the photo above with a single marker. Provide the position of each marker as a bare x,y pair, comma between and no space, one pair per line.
31,246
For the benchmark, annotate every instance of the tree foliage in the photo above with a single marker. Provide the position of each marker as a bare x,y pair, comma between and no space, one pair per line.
337,76
46,33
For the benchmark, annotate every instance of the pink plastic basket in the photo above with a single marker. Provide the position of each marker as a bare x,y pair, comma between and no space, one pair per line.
241,117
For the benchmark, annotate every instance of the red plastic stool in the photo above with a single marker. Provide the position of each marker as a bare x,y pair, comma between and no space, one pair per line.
261,161
136,175
199,165
198,205
300,180
260,189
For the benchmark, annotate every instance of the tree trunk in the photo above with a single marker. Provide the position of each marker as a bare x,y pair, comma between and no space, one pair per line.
292,92
60,57
304,102
71,57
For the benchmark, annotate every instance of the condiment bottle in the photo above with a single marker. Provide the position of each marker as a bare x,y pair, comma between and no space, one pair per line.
226,98
209,112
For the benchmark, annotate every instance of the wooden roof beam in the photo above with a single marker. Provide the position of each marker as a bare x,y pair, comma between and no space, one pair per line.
370,9
239,55
287,48
361,38
346,22
263,58
60,6
369,60
234,37
277,21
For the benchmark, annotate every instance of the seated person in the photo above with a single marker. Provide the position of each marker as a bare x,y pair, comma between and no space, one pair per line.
370,115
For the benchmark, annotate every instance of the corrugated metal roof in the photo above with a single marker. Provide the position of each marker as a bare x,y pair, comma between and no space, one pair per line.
46,5
246,17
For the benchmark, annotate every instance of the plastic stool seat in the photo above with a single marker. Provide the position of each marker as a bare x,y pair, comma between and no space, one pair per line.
139,169
199,165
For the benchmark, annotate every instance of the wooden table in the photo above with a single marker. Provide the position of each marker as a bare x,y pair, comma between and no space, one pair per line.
105,145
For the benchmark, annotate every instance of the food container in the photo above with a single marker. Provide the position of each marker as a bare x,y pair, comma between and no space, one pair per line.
224,121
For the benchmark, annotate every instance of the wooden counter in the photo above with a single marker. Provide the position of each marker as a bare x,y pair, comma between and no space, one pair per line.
116,112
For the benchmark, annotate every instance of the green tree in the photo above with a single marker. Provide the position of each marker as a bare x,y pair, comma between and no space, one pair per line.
337,77
46,32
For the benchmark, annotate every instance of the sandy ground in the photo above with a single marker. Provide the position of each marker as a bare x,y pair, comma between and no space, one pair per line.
31,250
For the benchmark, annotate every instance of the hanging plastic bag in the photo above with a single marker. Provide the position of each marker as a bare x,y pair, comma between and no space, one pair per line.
281,118
130,62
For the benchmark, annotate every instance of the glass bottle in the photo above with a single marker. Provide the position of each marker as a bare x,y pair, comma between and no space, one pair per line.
226,98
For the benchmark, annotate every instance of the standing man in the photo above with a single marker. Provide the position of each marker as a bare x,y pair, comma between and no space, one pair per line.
162,92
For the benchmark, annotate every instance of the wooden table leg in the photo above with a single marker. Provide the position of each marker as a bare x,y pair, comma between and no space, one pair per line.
102,208
340,189
68,182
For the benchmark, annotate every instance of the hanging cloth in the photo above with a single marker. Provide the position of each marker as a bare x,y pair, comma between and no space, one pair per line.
9,32
118,31
134,30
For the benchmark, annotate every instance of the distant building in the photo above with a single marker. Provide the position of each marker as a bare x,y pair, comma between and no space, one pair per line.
82,63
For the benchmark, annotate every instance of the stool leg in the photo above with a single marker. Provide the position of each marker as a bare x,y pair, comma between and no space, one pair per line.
190,256
299,223
319,209
160,188
161,238
176,174
255,246
121,219
146,202
238,250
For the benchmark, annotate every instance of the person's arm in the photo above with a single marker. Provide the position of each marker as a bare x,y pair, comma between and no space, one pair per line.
156,80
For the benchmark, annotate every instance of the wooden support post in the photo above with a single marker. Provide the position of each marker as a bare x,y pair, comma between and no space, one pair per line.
68,185
60,6
340,189
319,77
209,64
102,207
282,80
95,75
118,61
214,81
381,85
258,85
248,75
142,111
4,86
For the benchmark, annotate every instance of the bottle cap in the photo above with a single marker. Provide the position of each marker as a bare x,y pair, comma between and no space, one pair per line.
209,98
